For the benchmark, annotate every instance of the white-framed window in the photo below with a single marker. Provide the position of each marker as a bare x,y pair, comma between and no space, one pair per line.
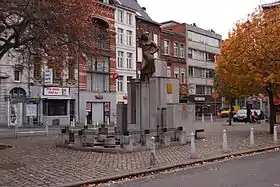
191,71
120,59
168,71
129,60
120,16
166,47
129,18
120,36
120,83
129,38
208,90
156,42
182,76
176,73
176,49
17,76
182,50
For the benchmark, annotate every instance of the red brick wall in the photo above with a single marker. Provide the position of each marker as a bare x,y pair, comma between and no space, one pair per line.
180,28
106,13
172,61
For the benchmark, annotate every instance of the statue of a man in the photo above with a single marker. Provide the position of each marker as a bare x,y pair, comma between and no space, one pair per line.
149,48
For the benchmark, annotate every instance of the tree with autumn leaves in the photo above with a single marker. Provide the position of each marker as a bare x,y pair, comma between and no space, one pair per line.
50,29
249,62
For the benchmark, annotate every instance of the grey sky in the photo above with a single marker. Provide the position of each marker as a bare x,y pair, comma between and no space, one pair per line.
219,15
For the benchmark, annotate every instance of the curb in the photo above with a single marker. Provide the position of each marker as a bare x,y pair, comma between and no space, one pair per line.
163,168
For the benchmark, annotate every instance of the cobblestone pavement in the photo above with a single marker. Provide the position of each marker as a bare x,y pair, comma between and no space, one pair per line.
36,161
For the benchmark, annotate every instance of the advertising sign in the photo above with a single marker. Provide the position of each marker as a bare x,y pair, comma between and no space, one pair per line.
48,76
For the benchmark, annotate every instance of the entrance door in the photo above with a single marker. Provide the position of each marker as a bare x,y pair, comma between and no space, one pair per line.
98,112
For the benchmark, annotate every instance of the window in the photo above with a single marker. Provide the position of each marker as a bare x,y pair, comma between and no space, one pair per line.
192,36
129,78
191,71
55,107
120,16
129,19
211,57
190,53
198,72
120,36
129,60
120,84
71,69
168,71
208,90
105,1
156,42
17,75
129,38
97,82
37,68
176,73
166,47
182,51
98,74
182,76
200,90
176,49
120,59
198,55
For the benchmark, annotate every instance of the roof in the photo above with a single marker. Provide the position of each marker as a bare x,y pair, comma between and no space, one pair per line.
270,5
140,12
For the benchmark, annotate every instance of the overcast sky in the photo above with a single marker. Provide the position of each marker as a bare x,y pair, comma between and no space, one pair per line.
219,15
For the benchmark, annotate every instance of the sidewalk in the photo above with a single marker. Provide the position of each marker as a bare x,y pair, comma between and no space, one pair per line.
35,161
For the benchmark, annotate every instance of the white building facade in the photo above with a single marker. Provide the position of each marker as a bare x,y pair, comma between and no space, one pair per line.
202,48
125,24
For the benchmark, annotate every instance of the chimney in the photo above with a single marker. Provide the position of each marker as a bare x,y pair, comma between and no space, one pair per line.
194,24
144,8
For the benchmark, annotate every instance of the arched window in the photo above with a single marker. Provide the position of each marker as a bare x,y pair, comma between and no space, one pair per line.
17,92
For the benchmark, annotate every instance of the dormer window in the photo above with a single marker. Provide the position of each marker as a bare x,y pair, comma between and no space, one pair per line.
105,1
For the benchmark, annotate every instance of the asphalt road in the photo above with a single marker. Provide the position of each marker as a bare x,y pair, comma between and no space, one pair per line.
254,171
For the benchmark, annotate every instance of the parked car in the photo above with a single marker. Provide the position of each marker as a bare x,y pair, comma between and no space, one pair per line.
225,111
241,115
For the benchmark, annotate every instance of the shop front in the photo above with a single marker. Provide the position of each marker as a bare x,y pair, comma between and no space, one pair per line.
97,108
56,105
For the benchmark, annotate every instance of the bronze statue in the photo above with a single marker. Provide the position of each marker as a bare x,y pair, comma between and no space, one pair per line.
149,48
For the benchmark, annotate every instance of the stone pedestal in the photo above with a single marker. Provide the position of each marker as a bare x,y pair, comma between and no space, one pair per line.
127,143
110,142
166,139
148,142
101,137
182,137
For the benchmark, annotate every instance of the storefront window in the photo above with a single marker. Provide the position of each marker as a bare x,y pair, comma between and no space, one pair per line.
55,107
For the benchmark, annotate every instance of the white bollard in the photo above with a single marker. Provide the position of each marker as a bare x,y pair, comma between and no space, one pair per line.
252,138
202,118
153,151
86,122
47,128
74,122
108,121
225,144
193,153
211,117
16,130
275,138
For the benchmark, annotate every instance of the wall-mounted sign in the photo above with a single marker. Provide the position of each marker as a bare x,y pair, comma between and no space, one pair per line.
199,98
125,97
31,110
169,88
56,91
99,97
48,76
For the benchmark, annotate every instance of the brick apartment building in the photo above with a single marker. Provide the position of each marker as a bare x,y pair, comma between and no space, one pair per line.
173,51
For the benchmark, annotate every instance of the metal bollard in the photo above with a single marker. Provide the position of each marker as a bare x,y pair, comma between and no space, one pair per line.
47,128
275,138
153,151
225,144
193,153
211,117
252,138
86,125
